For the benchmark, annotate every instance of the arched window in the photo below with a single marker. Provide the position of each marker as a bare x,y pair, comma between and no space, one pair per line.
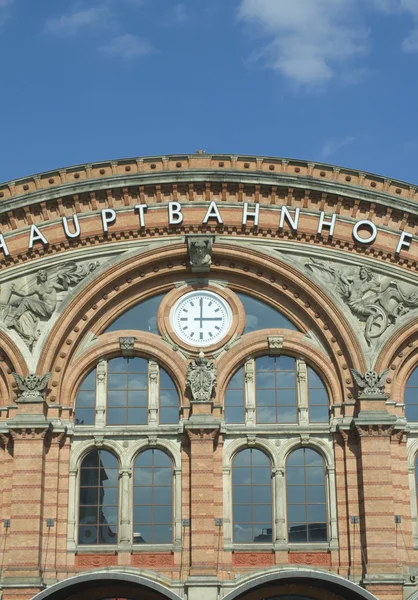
306,504
260,315
318,399
86,400
141,317
132,391
235,399
127,391
153,498
251,497
99,499
411,397
276,389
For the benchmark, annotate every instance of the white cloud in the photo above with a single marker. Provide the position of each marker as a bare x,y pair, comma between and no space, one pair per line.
308,40
332,146
71,23
127,46
409,8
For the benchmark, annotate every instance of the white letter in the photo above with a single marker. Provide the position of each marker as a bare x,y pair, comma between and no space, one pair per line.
175,216
371,237
36,235
212,213
108,217
323,223
3,246
404,242
141,208
67,229
285,214
248,213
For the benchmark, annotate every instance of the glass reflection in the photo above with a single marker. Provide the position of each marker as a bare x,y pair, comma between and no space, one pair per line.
306,505
276,389
86,400
411,397
169,399
318,399
260,315
99,499
127,391
235,398
142,317
251,492
153,498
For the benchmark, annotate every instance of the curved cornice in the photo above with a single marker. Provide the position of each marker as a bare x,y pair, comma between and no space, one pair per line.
199,168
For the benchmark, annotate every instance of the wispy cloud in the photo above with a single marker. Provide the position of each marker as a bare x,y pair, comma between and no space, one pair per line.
4,3
403,7
332,146
307,40
72,23
127,46
180,14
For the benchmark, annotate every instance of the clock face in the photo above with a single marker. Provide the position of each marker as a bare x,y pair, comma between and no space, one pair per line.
201,318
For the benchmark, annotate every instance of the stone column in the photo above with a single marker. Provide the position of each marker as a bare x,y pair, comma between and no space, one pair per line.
280,508
125,475
177,507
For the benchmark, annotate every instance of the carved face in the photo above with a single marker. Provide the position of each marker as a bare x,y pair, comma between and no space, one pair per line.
365,274
200,249
42,276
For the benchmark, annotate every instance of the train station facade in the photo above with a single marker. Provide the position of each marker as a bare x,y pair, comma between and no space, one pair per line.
208,382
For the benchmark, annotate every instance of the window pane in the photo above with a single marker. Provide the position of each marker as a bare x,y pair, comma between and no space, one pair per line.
117,365
260,315
116,398
137,381
137,416
169,415
266,397
84,416
116,416
137,365
286,415
234,415
153,498
142,317
252,510
137,398
265,363
169,398
86,399
306,501
266,379
116,381
266,414
318,414
165,380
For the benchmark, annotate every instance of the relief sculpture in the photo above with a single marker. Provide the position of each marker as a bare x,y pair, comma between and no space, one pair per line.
25,307
377,302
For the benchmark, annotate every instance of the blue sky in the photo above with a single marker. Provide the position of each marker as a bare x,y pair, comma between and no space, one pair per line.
325,80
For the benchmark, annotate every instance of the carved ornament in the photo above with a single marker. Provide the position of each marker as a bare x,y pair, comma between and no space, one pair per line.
200,252
201,378
370,384
32,387
375,301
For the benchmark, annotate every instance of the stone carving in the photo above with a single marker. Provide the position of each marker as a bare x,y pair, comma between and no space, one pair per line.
275,343
89,561
376,302
153,560
26,307
200,252
127,345
370,384
309,558
201,378
253,559
31,387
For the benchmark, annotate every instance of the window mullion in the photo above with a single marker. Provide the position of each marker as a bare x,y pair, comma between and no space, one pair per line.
249,383
101,393
153,392
302,387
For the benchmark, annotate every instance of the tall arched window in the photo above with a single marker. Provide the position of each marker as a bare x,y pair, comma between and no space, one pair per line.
99,499
235,399
86,400
251,497
411,397
276,389
153,498
306,504
169,399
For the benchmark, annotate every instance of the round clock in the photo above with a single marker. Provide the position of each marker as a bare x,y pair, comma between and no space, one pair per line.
201,318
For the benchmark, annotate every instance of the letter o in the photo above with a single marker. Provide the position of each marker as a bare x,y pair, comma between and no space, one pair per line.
371,226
